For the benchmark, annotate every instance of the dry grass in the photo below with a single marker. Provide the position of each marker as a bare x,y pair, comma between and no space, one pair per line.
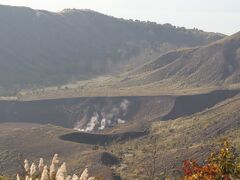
185,138
54,171
114,86
20,140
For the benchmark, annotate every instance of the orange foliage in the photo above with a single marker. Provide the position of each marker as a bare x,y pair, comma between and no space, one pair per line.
222,165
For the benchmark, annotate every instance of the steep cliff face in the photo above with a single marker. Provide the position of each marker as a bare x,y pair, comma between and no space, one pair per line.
189,105
99,113
86,114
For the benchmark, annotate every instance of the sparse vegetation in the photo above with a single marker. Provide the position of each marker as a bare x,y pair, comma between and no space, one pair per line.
149,168
118,99
83,46
194,137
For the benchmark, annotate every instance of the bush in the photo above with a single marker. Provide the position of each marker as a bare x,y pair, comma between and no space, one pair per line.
221,165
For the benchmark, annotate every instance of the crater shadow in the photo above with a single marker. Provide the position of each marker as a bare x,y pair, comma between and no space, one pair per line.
191,104
101,139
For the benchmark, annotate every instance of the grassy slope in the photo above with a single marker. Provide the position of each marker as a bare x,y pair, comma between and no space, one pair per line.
23,140
185,71
183,138
187,137
106,86
79,44
214,64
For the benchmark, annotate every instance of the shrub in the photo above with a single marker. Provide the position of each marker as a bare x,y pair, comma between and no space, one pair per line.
221,165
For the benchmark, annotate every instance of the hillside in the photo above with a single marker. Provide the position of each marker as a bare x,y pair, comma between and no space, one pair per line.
44,48
184,71
103,92
43,141
191,137
216,64
196,132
